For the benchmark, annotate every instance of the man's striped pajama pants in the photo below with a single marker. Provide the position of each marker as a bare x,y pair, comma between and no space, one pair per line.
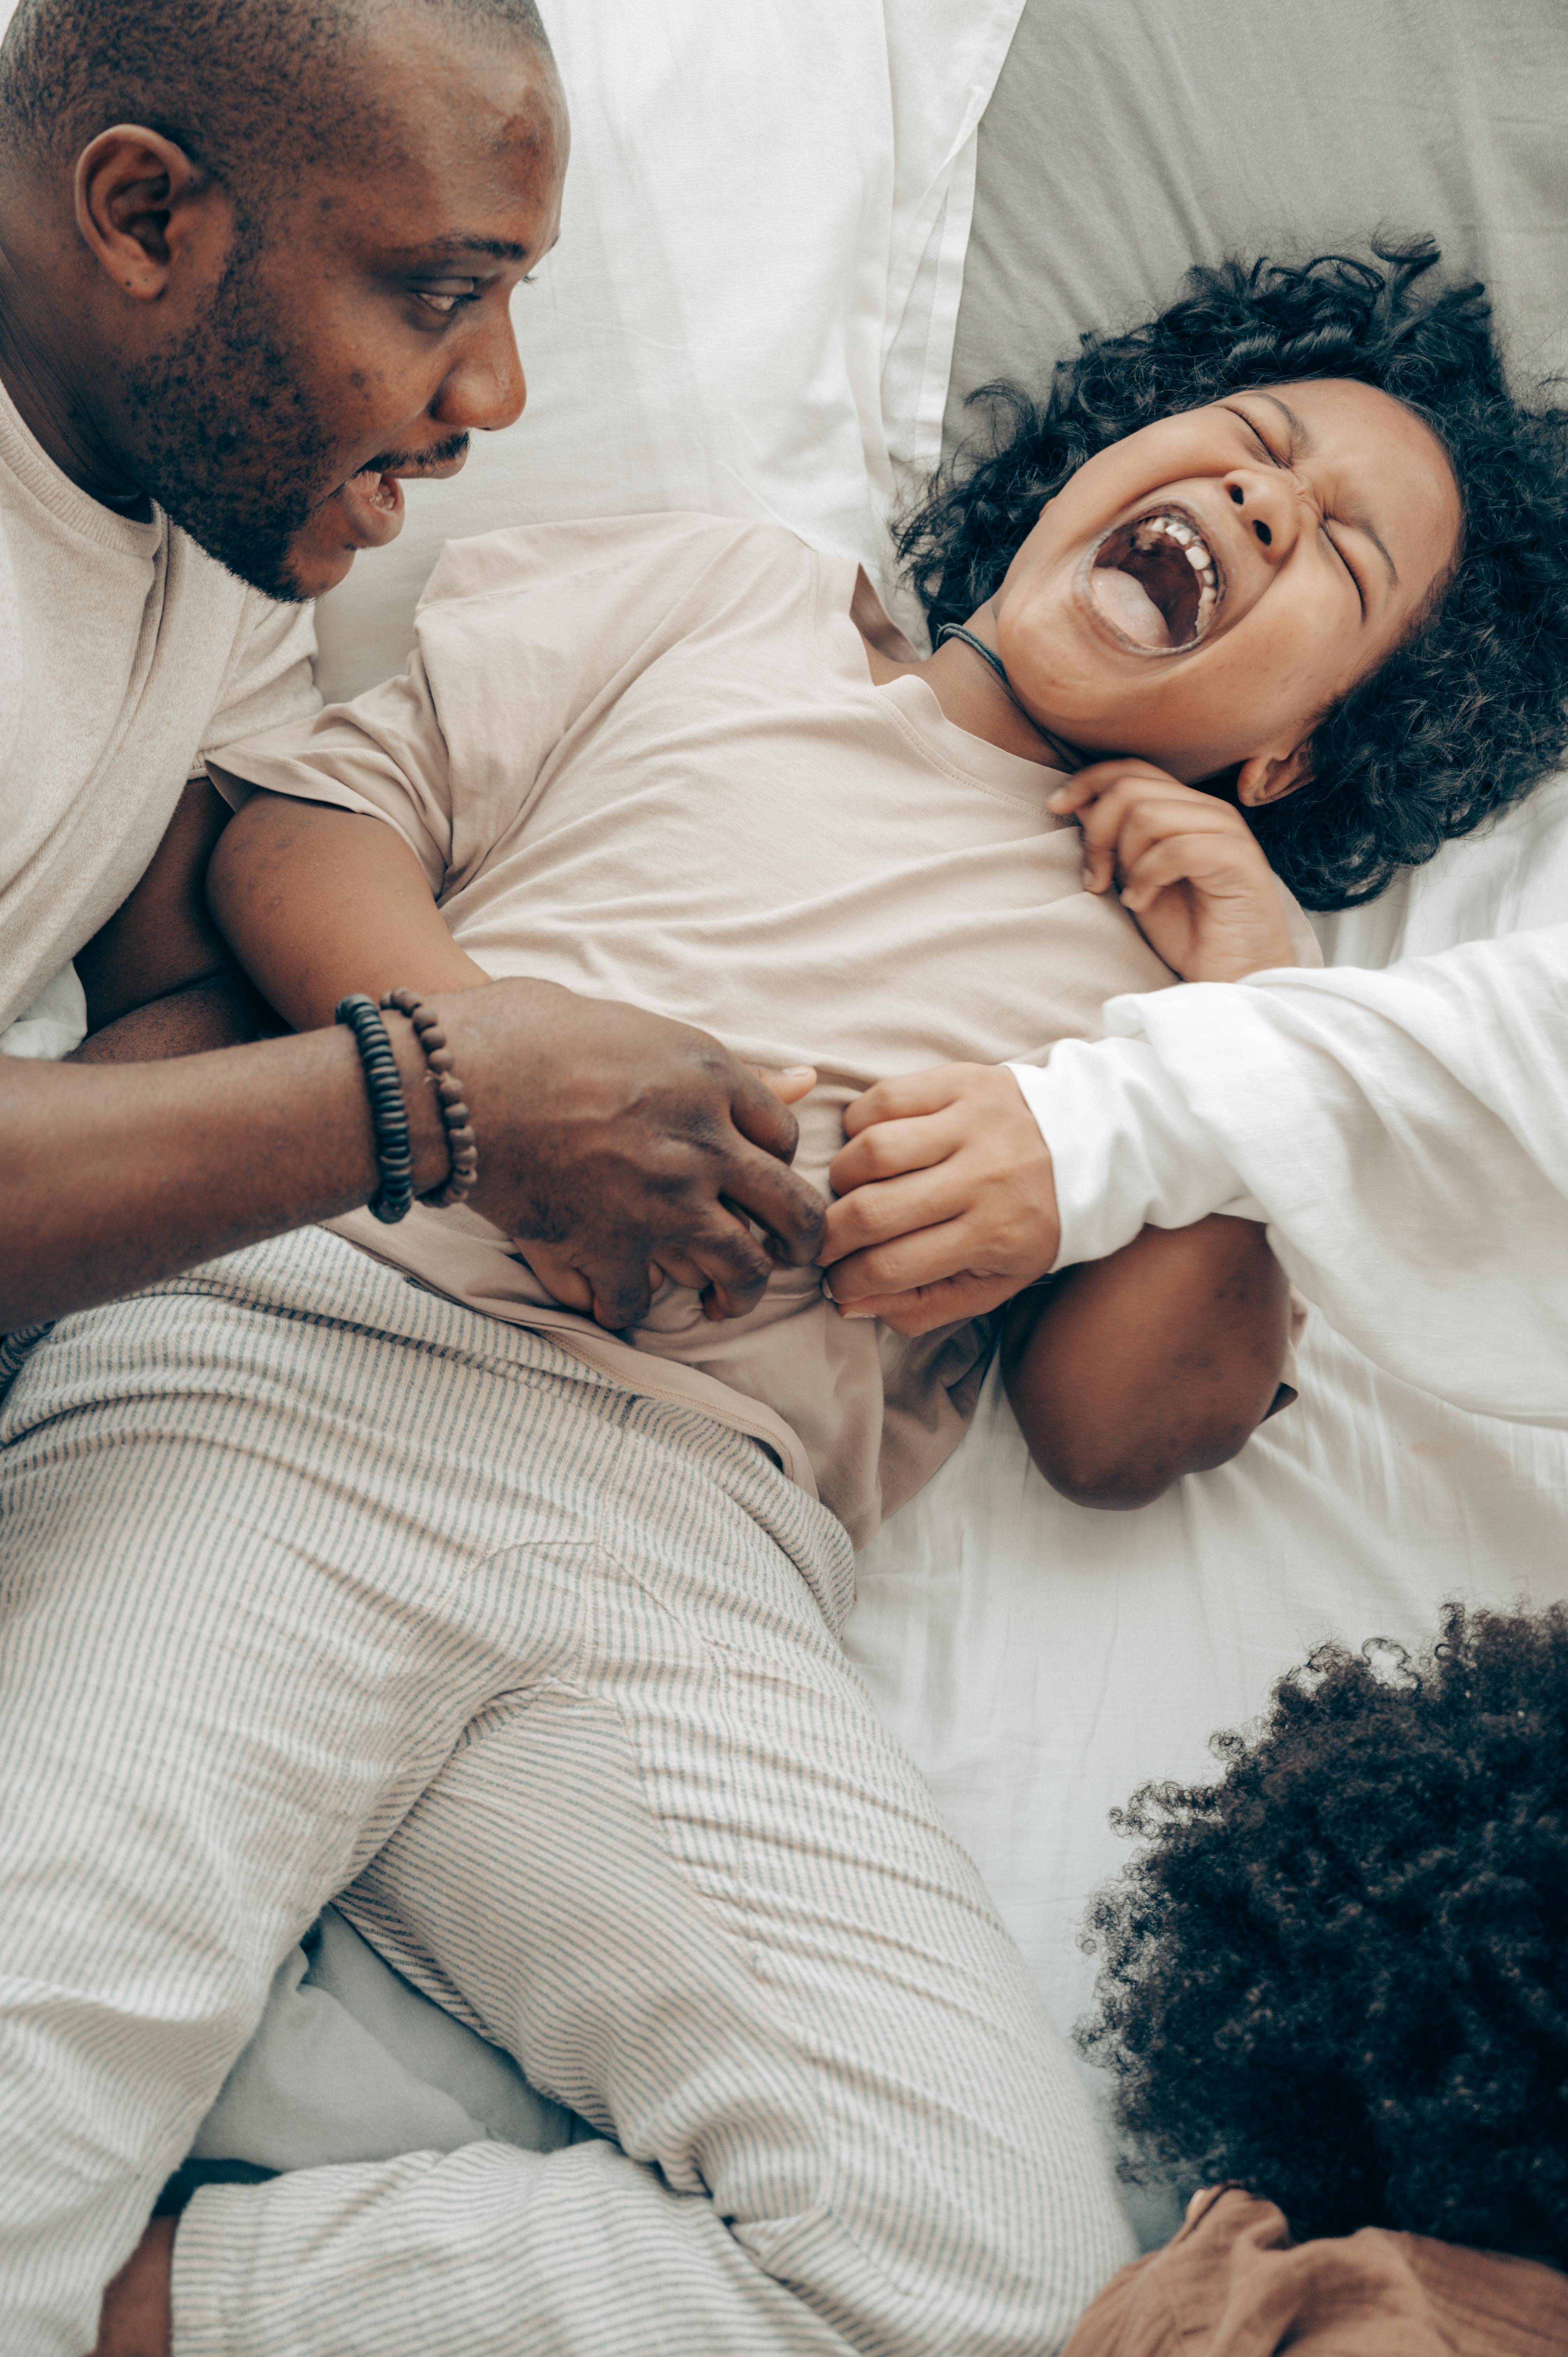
311,1581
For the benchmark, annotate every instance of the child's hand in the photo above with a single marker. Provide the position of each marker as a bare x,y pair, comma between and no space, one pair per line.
1187,866
948,1204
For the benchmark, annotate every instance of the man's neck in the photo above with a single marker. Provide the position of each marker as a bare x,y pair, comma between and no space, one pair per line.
48,372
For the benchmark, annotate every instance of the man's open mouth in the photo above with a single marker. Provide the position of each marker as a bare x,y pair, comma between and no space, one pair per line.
1156,580
380,489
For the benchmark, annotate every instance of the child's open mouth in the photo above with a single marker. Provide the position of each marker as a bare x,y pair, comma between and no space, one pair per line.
1156,580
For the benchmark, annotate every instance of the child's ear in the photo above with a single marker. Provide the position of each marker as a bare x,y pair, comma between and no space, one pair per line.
1269,777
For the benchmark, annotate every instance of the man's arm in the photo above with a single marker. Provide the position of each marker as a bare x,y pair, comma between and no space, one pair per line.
160,979
114,1178
622,1138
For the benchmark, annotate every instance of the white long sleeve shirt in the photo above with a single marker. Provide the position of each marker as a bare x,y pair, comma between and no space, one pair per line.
1404,1134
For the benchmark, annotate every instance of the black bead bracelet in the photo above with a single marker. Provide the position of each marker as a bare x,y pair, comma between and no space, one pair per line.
388,1113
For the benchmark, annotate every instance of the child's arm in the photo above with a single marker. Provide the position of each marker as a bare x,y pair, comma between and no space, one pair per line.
1163,1360
316,901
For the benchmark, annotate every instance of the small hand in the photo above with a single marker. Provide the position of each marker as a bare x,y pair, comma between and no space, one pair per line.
1189,868
948,1206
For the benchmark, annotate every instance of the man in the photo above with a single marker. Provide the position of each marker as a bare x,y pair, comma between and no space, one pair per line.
258,255
257,262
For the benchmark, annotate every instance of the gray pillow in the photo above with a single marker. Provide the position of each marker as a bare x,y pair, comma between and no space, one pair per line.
1128,138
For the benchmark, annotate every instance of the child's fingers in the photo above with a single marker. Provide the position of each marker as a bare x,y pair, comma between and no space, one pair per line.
1125,818
1157,817
1182,859
919,1256
1077,792
1088,785
890,1207
945,1303
790,1086
909,1095
889,1148
1126,823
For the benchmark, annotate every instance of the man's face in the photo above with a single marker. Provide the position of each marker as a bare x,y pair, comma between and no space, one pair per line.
362,330
1200,593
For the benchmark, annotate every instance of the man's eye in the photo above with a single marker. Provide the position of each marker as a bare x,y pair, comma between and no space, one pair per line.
446,295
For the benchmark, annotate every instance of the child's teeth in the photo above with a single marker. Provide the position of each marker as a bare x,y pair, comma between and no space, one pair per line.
1198,557
1179,530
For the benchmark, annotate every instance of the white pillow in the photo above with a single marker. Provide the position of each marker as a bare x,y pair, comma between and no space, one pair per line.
751,309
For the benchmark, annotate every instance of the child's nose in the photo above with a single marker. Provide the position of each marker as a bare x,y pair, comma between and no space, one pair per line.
1267,508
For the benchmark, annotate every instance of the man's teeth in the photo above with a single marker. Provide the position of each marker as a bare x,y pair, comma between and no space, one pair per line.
1196,550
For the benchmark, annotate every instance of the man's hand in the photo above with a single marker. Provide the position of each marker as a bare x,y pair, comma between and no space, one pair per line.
573,1289
948,1205
614,1144
1188,865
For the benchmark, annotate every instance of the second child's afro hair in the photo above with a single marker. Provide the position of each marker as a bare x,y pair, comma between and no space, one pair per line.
1464,716
1338,1975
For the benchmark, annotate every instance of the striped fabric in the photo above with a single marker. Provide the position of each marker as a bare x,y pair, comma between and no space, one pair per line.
310,1581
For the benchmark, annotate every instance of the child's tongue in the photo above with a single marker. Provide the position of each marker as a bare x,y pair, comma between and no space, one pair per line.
1127,604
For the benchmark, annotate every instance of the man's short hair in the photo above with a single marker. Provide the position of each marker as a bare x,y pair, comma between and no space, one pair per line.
238,85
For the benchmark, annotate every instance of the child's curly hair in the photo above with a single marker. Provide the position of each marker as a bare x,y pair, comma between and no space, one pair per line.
1469,712
1339,1976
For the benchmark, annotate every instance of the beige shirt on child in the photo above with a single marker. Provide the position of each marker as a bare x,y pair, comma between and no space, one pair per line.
644,758
125,653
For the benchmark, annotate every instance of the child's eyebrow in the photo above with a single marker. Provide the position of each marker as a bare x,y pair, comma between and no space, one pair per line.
1301,446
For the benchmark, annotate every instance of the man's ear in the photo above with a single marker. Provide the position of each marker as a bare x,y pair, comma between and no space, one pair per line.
140,203
1269,777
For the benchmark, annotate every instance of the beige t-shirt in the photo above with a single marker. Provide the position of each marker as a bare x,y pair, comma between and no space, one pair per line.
644,758
125,652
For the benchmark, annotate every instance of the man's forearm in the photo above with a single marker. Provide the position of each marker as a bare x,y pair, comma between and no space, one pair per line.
115,1177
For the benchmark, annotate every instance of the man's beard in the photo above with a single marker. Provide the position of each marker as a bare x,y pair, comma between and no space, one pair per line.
226,438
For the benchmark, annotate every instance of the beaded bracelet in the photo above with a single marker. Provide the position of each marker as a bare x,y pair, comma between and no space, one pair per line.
462,1145
389,1113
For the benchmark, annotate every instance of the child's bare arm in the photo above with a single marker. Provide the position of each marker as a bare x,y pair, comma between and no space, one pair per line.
1127,1373
317,902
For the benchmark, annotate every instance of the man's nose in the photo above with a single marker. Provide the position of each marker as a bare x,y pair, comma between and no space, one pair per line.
1271,508
485,388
